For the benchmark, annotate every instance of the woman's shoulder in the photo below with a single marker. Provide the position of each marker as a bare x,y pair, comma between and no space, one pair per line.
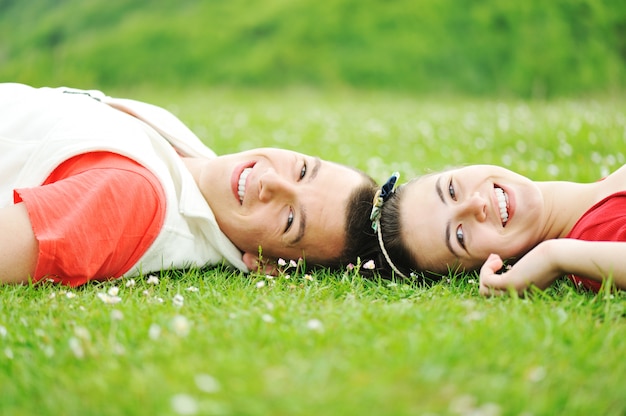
610,185
617,179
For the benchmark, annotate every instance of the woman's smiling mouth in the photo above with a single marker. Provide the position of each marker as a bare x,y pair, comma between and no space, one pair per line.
503,204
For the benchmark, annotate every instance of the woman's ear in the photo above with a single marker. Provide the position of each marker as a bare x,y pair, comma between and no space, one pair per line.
264,265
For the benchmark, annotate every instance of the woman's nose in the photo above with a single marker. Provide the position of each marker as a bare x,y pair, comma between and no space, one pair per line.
475,205
272,185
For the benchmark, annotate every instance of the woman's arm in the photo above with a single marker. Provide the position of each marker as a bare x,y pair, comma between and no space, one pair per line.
551,259
18,246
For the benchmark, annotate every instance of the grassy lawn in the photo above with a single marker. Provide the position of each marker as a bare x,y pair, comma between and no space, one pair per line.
218,342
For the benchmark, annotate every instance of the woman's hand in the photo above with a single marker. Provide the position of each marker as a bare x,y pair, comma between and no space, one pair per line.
551,259
537,268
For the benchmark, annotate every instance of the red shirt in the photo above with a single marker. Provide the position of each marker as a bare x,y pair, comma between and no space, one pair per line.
605,221
93,217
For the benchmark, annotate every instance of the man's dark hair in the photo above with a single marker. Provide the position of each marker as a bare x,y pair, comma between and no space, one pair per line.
357,223
358,229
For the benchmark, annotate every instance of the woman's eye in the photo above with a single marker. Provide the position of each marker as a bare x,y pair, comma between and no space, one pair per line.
451,191
459,236
289,220
303,171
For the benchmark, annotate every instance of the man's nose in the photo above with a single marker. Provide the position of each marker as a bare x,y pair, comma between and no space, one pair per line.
474,206
272,185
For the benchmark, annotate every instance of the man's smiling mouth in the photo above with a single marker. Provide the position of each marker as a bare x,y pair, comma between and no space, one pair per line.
241,187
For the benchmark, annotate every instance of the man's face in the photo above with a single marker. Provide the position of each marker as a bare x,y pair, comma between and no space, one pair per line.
289,204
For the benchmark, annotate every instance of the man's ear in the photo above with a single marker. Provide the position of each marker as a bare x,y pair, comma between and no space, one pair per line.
254,263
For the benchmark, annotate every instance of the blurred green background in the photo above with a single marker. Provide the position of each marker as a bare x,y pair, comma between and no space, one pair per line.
526,49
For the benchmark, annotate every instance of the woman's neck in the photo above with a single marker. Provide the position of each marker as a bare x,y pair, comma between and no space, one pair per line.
566,202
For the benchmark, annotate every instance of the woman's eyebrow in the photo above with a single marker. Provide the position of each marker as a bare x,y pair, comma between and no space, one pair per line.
448,226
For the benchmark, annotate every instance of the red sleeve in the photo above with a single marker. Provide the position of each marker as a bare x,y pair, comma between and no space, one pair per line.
605,221
94,217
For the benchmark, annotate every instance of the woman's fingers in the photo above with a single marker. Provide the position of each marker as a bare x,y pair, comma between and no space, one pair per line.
490,281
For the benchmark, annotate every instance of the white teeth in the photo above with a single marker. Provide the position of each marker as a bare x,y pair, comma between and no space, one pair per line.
241,188
502,203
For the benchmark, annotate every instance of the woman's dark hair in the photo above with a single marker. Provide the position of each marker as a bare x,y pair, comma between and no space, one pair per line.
391,230
365,245
362,241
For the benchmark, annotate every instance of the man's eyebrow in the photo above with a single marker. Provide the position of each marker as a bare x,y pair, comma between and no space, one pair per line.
448,232
301,229
302,224
439,191
315,169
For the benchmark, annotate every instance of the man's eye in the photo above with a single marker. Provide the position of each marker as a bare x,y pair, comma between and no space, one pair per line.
451,191
303,171
289,220
459,236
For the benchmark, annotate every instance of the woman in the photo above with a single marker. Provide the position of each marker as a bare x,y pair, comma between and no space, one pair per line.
474,217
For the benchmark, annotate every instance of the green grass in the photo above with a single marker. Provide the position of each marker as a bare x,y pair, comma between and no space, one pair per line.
334,343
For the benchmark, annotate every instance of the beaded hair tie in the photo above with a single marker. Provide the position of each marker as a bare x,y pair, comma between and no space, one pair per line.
382,195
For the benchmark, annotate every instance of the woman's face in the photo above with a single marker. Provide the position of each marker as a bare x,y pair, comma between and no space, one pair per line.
458,217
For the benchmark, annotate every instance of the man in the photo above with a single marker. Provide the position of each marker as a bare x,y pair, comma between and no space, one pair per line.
93,187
